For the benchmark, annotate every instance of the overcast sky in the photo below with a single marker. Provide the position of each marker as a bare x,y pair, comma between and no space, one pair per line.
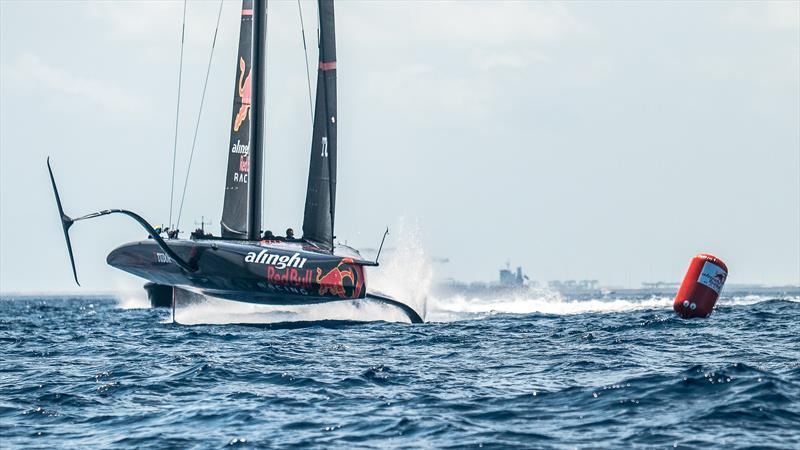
580,140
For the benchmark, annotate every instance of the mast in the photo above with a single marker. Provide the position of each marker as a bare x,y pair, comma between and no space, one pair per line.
320,207
241,212
258,110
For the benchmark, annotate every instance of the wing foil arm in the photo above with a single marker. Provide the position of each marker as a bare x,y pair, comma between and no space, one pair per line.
413,315
67,222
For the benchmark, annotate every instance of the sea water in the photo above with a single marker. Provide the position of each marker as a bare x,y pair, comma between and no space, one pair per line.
505,372
525,370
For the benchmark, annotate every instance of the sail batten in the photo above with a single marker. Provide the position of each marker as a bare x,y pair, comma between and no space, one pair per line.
320,207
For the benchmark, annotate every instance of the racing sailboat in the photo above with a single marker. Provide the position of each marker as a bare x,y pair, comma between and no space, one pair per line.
240,265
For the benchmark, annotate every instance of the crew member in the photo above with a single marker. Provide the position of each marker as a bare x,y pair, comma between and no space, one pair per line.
157,230
290,235
268,236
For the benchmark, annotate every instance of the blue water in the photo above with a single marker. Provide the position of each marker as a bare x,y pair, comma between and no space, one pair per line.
86,373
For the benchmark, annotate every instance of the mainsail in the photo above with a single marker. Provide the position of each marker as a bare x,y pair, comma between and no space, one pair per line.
241,211
321,194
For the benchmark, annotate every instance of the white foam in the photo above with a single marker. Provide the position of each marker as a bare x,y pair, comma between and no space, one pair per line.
130,293
743,300
545,302
459,307
217,311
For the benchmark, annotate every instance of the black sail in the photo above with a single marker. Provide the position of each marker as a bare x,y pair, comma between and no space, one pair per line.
321,194
241,213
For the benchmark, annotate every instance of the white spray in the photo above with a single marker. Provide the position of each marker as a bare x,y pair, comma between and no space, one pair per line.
406,273
130,293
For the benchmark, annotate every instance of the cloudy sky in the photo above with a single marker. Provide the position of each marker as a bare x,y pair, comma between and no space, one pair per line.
579,139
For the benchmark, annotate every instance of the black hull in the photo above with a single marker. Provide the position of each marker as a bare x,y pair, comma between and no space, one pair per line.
280,274
251,272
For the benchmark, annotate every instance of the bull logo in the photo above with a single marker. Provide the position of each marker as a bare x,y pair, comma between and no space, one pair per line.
333,281
244,94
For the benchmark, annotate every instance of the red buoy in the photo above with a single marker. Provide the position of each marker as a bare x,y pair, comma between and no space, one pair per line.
701,286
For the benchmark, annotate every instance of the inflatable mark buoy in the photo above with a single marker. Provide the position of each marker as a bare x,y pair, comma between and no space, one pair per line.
701,287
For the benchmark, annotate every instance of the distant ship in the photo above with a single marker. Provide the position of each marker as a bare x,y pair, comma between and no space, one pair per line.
508,282
516,282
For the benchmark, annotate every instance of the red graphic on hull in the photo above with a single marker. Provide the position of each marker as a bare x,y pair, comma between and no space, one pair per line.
345,280
244,94
333,281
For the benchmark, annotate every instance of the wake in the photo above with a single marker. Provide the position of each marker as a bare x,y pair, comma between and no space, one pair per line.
460,307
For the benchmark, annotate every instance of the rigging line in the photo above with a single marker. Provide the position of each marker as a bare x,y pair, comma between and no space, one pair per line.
305,51
177,115
199,115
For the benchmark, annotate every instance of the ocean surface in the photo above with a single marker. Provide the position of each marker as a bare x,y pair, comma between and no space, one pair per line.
105,372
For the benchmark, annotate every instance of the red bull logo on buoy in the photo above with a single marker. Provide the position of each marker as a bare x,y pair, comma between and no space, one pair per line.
712,276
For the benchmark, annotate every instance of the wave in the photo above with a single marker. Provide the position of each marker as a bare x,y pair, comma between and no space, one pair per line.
438,308
543,301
